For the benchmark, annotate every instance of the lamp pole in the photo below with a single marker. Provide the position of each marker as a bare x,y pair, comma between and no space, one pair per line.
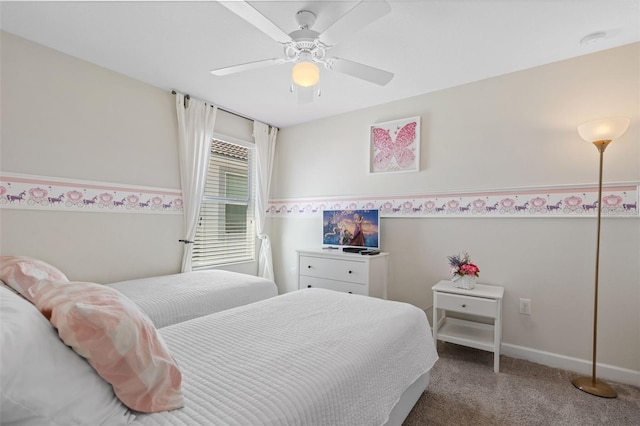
600,133
591,384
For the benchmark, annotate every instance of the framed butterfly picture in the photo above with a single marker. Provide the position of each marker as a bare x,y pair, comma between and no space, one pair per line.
395,146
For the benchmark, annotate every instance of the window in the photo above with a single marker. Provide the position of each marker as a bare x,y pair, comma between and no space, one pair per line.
225,232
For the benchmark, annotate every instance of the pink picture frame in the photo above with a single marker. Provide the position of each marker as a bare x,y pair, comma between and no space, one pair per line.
394,146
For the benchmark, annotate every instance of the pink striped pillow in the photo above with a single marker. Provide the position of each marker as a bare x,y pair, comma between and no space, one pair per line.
119,341
21,273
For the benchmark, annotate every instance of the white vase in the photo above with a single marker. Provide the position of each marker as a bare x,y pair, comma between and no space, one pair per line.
466,282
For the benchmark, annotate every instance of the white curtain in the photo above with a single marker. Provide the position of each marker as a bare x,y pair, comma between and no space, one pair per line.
265,138
196,120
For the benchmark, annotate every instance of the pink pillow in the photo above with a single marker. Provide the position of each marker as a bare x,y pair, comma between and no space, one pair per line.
118,340
21,273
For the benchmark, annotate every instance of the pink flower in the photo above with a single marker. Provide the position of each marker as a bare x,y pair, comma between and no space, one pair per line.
469,269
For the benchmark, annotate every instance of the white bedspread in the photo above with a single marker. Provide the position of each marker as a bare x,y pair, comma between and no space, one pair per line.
171,299
310,357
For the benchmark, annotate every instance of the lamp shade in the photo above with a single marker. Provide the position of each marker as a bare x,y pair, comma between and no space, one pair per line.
305,74
604,129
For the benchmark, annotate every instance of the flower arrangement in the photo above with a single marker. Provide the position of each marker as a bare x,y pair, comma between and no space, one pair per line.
461,265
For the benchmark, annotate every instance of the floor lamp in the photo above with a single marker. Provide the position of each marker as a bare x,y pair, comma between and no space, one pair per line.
600,133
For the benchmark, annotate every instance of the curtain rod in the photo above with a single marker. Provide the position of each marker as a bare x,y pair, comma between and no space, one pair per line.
187,97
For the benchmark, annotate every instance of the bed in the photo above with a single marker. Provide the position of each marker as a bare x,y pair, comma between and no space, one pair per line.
170,299
83,353
313,357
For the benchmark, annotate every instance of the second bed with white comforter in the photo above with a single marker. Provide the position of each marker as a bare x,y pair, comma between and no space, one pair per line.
170,299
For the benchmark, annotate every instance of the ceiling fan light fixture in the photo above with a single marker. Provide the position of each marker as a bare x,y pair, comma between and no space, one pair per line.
305,74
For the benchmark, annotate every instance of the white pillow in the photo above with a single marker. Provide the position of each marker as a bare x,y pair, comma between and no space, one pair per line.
11,289
42,380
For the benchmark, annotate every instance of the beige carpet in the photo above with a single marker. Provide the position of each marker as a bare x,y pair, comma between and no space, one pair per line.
464,390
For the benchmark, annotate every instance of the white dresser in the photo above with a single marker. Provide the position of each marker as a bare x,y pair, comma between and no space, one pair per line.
346,272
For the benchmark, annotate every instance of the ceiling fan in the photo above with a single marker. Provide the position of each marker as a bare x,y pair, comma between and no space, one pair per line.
307,48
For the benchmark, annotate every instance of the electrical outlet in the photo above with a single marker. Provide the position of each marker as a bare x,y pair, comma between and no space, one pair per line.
525,306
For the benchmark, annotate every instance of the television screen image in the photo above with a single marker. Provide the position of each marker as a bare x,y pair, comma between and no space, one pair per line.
351,228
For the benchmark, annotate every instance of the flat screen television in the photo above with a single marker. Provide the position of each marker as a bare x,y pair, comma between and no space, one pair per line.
351,229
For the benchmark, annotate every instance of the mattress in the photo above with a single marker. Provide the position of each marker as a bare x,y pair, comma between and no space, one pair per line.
310,357
170,299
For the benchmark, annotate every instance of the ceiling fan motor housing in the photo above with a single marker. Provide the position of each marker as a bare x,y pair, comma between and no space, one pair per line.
305,44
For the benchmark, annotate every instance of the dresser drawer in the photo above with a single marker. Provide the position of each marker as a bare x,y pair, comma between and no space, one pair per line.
334,269
469,305
313,282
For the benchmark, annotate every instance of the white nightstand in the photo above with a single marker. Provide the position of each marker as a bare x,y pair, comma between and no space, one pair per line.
483,300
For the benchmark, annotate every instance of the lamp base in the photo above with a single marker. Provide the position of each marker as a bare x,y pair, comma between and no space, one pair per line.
594,387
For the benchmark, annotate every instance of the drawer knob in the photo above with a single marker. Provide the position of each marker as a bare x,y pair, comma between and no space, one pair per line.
349,271
308,286
464,306
309,266
350,292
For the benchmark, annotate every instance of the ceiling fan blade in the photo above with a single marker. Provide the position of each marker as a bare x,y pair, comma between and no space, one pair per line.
354,20
257,19
365,72
246,67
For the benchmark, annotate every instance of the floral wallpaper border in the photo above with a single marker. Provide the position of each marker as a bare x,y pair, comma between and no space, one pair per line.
618,200
20,191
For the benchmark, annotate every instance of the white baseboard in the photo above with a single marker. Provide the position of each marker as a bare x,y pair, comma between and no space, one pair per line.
581,366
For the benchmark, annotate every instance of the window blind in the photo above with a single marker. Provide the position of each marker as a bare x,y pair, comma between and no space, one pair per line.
226,226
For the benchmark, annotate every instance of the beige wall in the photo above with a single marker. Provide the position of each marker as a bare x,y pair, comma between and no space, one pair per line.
516,130
66,118
62,117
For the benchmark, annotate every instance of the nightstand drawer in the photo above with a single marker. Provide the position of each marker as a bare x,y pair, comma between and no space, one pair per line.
334,269
312,282
469,305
